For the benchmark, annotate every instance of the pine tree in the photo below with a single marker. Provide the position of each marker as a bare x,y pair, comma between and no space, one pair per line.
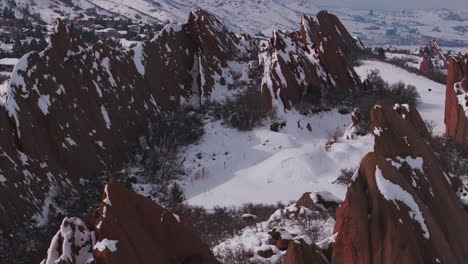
18,48
33,46
176,197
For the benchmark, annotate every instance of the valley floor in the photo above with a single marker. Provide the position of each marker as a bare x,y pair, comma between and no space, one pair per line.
229,167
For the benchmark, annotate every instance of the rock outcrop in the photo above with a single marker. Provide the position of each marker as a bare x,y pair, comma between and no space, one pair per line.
401,206
313,59
300,252
426,64
456,100
74,111
73,243
128,228
433,57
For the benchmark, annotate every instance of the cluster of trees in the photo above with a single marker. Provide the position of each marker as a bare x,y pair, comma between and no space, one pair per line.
8,13
37,42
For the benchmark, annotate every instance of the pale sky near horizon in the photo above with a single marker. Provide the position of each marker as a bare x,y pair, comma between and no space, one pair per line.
394,4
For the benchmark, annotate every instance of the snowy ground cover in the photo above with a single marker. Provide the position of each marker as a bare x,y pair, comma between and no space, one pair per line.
432,93
413,60
229,167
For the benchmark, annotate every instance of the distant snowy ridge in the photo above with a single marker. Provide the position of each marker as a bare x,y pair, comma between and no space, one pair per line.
264,16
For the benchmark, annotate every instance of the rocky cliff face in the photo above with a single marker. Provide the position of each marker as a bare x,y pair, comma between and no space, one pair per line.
74,111
128,228
456,100
401,206
315,57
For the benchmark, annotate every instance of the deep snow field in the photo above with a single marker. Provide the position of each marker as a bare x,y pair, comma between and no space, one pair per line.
229,167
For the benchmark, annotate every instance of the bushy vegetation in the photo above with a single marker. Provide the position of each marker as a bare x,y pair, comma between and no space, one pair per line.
436,76
244,111
453,155
158,160
345,176
375,88
237,255
225,222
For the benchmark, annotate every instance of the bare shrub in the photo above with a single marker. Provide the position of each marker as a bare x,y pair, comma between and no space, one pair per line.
225,222
236,255
3,78
345,176
435,75
332,138
453,155
430,125
158,156
244,111
375,88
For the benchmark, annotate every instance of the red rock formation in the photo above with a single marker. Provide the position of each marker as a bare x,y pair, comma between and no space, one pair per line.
73,110
129,228
88,105
438,54
73,243
426,64
334,44
432,55
299,252
318,200
314,57
401,206
456,100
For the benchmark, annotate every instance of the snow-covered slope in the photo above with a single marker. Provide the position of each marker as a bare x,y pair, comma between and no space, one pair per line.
432,93
254,16
229,167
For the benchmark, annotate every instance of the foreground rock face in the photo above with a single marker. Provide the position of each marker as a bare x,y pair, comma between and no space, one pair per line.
456,100
299,252
73,110
401,206
128,228
73,243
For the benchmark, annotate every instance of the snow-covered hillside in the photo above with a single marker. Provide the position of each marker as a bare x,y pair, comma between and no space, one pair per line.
230,167
432,93
411,26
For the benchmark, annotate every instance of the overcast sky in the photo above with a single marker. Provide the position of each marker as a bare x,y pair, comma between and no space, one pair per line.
394,4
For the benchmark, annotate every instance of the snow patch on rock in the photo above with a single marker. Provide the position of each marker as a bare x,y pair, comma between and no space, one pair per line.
111,245
394,192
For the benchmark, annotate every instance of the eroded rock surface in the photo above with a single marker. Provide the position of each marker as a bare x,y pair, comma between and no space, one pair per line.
401,206
456,100
128,228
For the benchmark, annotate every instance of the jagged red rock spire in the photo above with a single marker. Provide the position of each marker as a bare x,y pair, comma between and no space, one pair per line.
456,99
317,55
128,228
401,206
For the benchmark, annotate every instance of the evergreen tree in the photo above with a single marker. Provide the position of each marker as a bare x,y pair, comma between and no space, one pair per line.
8,13
42,43
18,49
175,197
381,53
